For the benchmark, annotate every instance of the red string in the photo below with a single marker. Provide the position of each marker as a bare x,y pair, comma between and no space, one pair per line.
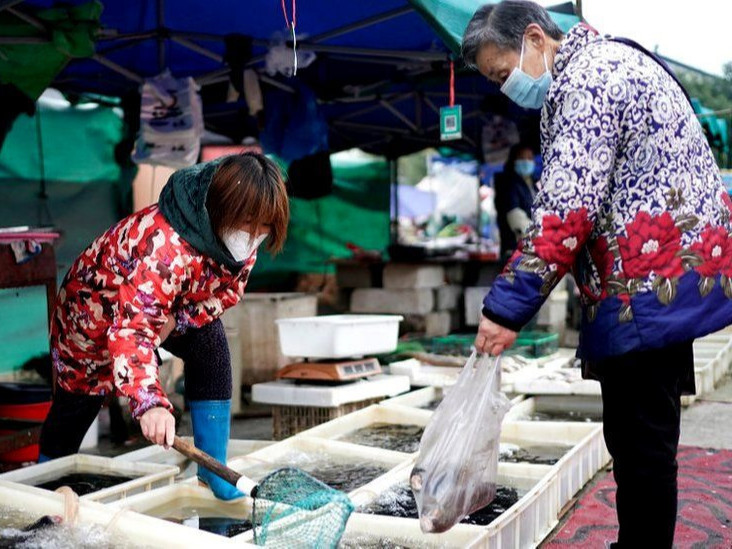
294,14
452,81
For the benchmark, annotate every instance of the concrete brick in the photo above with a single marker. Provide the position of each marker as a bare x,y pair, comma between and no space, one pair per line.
474,304
398,276
377,300
437,323
447,298
351,276
454,274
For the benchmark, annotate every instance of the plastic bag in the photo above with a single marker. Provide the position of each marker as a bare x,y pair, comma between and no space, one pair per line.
456,471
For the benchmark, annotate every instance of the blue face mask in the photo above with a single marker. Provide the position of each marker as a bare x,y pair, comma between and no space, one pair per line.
524,168
524,90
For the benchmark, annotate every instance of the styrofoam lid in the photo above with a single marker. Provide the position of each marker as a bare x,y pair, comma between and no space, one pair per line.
342,319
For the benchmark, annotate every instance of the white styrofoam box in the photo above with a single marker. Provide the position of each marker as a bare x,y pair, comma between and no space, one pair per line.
190,495
399,276
448,297
91,438
454,274
353,276
424,375
554,310
437,323
147,475
417,399
558,381
474,304
581,404
418,301
338,336
288,392
157,454
395,414
125,526
259,342
233,340
266,460
573,470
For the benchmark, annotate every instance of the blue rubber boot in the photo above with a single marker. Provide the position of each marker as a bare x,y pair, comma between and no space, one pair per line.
211,426
43,459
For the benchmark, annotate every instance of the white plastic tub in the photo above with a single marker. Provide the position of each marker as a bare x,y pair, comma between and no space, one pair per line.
157,454
301,451
140,530
421,398
147,475
579,404
338,336
579,464
527,522
394,414
190,495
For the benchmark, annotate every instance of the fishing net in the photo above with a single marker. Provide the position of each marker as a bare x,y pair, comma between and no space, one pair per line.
294,510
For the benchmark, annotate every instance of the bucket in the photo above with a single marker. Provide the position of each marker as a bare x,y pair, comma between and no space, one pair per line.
23,401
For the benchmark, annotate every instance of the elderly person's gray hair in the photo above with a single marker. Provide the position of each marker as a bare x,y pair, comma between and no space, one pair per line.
504,25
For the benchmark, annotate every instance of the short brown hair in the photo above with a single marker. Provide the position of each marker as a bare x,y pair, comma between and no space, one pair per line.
248,188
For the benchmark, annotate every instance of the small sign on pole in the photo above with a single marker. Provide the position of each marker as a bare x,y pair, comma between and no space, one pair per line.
451,123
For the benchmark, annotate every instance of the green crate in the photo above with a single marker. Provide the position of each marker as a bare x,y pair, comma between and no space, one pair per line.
538,344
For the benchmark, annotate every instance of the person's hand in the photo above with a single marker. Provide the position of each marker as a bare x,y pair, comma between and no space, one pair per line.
168,328
158,426
493,338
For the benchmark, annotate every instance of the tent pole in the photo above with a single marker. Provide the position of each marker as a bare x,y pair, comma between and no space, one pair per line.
369,21
5,4
198,49
395,200
399,115
118,68
161,34
578,9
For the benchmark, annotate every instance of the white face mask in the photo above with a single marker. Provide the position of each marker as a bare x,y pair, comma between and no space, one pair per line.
242,244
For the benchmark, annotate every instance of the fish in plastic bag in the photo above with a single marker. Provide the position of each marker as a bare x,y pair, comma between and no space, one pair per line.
457,468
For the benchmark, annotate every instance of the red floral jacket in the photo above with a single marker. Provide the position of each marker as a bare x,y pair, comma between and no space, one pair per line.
631,202
116,298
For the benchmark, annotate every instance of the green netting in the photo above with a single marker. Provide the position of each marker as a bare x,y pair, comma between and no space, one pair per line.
294,510
32,67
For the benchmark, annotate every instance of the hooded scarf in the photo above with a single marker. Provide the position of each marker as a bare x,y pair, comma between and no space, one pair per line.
183,204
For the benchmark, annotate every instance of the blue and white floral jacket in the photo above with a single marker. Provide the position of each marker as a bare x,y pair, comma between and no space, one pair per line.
631,201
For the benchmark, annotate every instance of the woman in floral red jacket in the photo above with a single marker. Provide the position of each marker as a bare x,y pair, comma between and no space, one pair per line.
164,275
632,202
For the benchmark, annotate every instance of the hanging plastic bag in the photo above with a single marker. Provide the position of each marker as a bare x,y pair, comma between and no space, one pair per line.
456,471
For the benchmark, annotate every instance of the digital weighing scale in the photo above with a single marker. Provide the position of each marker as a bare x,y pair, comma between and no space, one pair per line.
331,370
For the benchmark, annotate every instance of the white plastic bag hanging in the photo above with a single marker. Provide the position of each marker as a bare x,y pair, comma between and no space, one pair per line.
457,468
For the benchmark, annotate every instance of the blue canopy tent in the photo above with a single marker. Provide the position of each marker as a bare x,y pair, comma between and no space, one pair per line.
380,76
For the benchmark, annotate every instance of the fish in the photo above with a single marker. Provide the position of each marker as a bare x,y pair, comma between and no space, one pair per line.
11,538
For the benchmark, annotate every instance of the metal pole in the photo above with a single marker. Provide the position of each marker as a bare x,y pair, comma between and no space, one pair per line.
369,21
395,199
161,38
578,9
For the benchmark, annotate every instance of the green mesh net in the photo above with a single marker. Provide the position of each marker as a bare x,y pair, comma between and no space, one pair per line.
294,510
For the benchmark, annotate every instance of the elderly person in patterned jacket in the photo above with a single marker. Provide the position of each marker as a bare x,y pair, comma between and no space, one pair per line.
632,202
164,275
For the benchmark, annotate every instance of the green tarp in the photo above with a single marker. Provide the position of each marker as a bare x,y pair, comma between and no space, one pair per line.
86,194
32,67
356,212
449,18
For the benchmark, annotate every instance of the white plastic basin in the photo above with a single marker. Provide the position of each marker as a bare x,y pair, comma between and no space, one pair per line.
338,336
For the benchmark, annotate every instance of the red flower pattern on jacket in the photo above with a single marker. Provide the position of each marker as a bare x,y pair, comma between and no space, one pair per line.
652,245
560,240
715,250
116,299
